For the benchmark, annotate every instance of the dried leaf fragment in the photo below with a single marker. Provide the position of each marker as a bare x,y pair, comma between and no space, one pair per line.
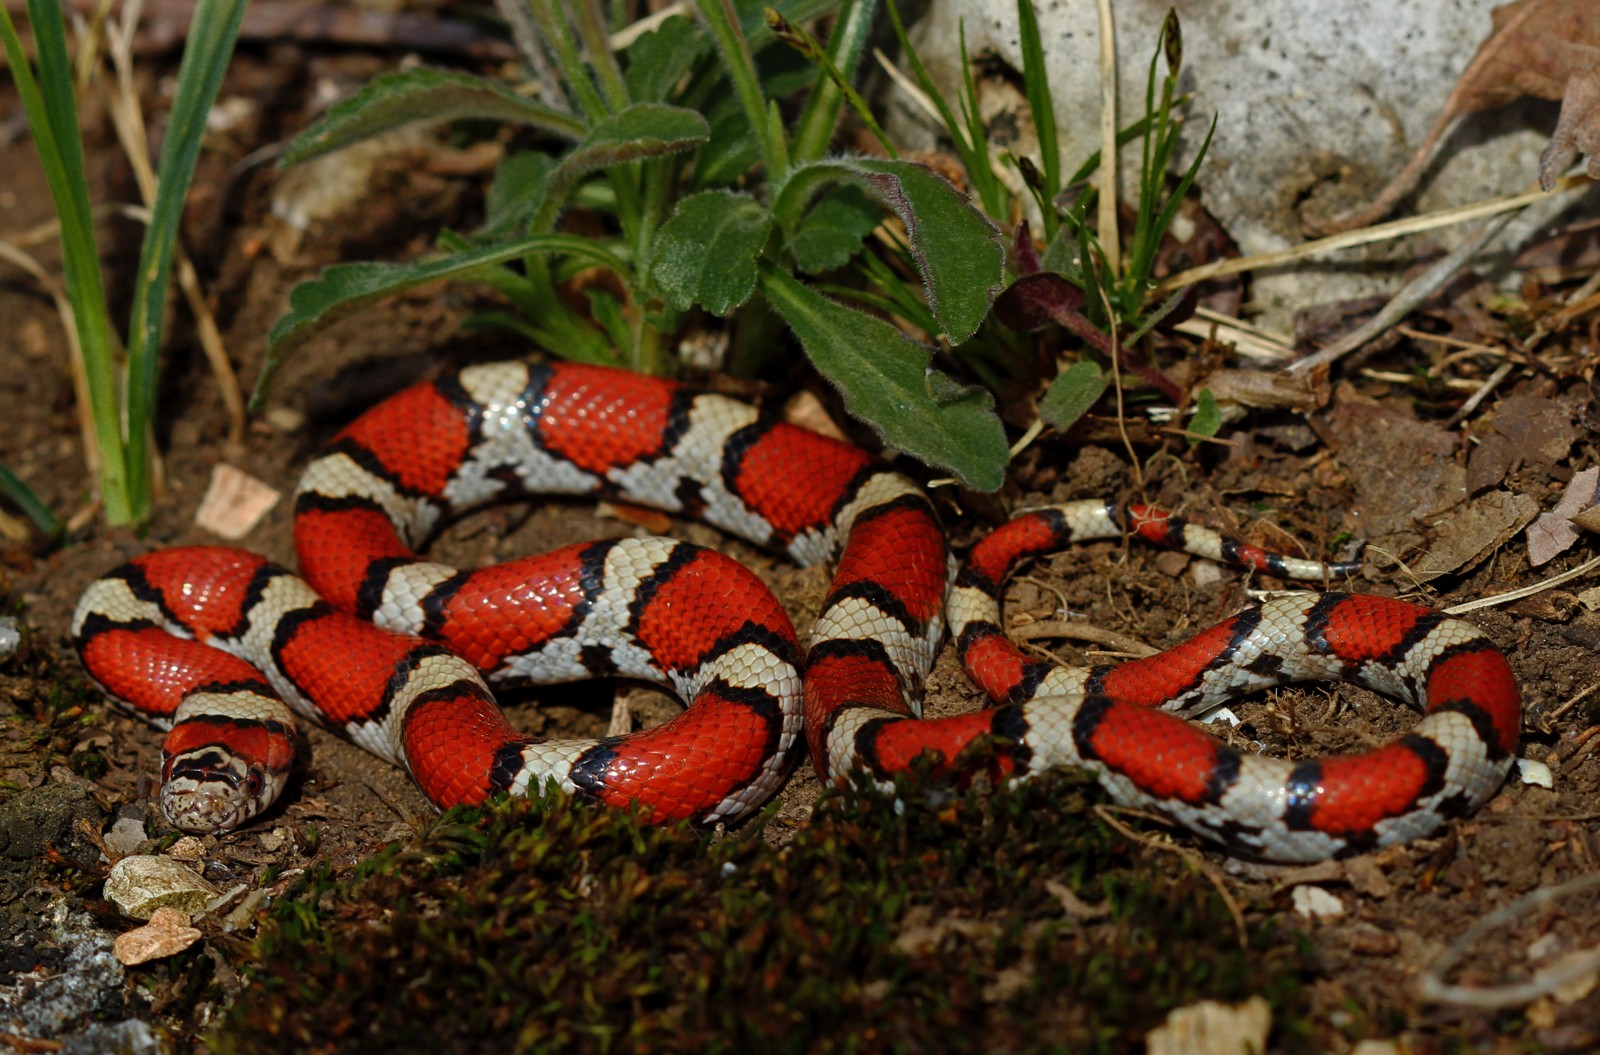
167,934
1577,129
1535,48
1553,533
234,502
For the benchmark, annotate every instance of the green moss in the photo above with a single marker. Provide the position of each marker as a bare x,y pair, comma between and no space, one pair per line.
551,925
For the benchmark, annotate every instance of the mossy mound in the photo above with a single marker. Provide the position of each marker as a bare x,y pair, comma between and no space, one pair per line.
932,922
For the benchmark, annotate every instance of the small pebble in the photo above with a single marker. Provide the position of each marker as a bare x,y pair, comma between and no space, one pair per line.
187,848
125,836
140,884
10,636
1212,1028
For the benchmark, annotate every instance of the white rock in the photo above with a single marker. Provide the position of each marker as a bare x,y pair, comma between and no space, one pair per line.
140,884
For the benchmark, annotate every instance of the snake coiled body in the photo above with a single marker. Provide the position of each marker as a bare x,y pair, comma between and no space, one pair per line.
397,652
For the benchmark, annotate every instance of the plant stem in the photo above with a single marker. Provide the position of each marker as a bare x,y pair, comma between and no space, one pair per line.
556,30
814,131
741,69
598,43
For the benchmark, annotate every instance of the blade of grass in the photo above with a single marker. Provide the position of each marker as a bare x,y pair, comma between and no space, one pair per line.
52,116
212,34
22,496
1036,83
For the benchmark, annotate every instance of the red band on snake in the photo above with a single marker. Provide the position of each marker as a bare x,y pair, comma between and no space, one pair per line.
386,647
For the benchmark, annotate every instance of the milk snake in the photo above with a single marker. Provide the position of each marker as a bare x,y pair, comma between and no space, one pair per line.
213,642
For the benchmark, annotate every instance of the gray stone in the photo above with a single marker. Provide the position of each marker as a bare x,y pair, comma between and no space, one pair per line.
1306,96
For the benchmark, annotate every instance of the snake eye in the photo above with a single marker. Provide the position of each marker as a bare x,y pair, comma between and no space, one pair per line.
253,780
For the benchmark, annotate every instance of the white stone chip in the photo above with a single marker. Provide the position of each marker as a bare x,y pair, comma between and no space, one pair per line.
140,884
1536,773
125,836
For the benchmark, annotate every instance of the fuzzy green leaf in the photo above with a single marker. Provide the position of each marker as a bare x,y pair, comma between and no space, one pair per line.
1072,393
959,252
422,94
730,152
887,380
658,60
833,230
643,130
346,288
706,253
515,193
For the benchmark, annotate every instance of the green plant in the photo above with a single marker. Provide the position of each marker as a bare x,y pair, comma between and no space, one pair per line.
712,202
715,204
1071,286
121,392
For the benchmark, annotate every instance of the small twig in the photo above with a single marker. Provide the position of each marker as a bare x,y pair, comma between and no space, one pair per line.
1250,341
1450,342
1527,591
1431,985
1411,295
1583,299
1547,721
1106,220
1116,385
1490,383
1459,384
83,517
1378,233
1582,744
1075,630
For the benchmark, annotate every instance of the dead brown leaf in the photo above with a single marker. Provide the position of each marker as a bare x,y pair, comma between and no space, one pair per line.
1536,48
1553,533
1577,130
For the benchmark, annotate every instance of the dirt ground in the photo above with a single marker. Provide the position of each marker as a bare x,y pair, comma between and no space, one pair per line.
1346,470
